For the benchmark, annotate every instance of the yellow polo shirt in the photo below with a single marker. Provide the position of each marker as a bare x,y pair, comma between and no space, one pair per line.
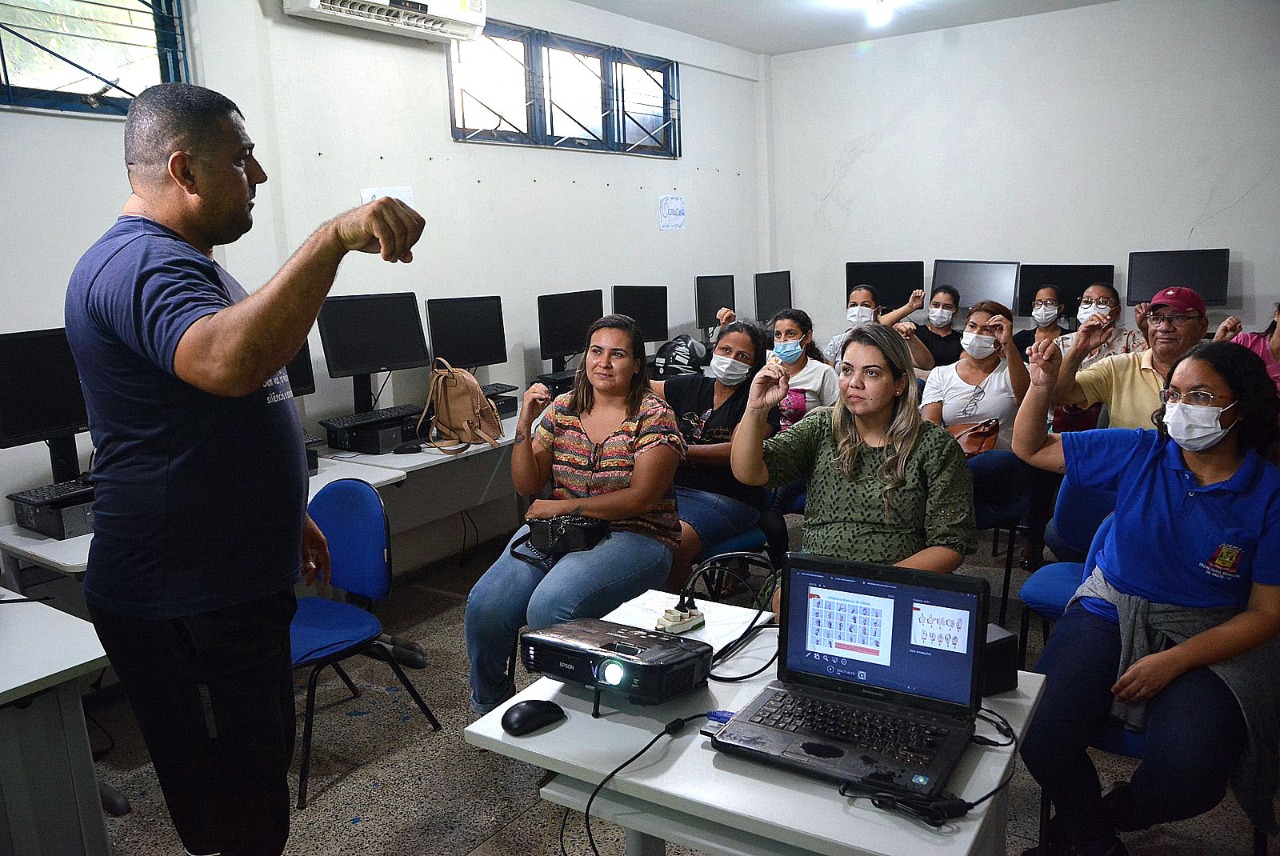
1128,384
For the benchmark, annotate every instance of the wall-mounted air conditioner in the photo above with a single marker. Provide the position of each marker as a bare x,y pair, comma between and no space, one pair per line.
438,20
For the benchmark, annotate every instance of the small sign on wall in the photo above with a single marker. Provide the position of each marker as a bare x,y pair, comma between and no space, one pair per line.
403,192
670,212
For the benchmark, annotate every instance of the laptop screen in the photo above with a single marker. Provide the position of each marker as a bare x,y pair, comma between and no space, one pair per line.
851,626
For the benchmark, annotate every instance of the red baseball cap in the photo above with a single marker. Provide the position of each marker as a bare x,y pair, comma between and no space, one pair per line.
1179,300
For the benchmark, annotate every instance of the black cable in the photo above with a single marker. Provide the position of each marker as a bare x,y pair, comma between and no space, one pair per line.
378,394
564,820
98,755
672,728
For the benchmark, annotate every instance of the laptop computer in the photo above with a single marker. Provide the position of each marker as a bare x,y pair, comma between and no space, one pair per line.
879,676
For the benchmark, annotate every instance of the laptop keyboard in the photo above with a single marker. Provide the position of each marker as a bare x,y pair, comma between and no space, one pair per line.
901,739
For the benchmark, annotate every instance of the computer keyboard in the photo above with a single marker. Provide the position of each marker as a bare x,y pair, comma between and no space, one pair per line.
558,378
492,389
62,493
900,738
311,439
373,417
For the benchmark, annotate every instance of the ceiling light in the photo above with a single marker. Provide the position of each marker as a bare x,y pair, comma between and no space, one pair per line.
879,13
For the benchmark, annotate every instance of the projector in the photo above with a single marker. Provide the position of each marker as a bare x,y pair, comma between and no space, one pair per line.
646,666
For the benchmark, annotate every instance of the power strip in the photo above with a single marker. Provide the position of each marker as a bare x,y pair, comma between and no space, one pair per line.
680,620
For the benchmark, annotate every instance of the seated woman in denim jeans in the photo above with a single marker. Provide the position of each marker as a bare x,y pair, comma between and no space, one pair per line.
609,449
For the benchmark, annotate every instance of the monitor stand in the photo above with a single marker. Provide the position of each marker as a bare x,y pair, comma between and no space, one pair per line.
362,387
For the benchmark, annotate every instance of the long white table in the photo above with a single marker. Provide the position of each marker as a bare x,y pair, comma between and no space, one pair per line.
685,791
48,793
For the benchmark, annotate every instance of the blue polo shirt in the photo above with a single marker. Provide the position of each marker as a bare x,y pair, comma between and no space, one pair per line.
1174,541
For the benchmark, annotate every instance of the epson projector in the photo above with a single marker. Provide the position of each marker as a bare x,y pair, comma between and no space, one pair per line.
646,666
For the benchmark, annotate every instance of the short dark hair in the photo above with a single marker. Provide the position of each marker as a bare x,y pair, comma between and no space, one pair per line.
759,341
1057,292
171,116
865,287
1245,374
583,396
947,290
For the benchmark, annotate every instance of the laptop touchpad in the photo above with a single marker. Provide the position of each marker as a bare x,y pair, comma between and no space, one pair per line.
815,750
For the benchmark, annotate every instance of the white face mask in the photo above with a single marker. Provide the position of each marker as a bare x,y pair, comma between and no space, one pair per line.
1195,428
978,346
860,315
1087,312
1044,315
729,371
941,317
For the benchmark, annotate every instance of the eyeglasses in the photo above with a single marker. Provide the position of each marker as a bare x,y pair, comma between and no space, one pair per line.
1196,397
1104,302
972,406
1175,320
1041,304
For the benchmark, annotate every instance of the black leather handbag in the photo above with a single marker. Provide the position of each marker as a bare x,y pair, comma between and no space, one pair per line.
550,538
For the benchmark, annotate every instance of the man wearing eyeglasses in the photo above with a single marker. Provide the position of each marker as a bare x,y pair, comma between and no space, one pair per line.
1130,384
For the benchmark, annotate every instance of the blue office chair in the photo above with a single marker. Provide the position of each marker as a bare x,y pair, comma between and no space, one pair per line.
325,632
1078,516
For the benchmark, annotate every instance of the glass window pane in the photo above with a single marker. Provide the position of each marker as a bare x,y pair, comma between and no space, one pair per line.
119,44
642,100
489,84
574,102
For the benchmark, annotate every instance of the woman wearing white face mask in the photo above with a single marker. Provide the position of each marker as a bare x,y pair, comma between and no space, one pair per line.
1046,310
863,308
1182,602
712,504
934,343
1102,301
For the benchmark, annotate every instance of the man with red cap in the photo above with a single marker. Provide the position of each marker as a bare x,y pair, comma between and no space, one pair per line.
1129,384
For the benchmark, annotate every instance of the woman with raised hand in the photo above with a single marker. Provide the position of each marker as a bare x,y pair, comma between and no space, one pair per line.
934,343
609,449
884,485
1174,628
1265,344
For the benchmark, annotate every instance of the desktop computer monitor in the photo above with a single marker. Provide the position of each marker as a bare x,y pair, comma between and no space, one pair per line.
893,281
1071,280
40,397
1204,271
369,333
978,281
302,376
647,304
467,331
563,320
712,293
773,293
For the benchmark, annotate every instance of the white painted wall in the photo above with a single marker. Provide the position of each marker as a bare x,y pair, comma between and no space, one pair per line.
335,109
1069,137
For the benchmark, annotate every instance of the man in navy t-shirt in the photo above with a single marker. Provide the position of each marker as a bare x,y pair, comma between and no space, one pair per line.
200,525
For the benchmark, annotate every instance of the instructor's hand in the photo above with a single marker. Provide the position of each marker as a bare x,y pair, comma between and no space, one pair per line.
385,226
315,554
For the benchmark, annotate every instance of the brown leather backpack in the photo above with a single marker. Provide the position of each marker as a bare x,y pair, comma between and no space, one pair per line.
462,415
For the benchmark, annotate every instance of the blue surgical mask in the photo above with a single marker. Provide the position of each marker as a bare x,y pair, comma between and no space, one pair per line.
788,352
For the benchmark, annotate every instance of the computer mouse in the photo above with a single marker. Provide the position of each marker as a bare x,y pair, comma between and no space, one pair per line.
526,716
408,449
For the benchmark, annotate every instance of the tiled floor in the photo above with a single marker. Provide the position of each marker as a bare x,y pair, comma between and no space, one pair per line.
383,783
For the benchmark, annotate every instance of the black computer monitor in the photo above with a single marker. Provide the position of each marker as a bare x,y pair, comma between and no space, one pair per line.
893,281
467,331
302,377
773,293
1204,271
978,281
563,320
1071,280
712,294
40,397
368,333
647,304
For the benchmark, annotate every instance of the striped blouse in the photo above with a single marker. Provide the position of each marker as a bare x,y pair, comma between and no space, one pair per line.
580,468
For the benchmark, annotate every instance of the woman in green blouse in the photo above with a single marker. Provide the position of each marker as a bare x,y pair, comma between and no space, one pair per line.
885,486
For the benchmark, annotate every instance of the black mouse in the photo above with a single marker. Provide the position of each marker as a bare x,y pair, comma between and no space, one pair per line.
408,449
525,716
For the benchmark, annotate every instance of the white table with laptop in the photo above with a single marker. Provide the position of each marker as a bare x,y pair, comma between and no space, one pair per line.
686,791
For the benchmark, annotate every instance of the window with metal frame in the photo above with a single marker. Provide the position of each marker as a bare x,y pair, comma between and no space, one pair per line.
88,55
529,87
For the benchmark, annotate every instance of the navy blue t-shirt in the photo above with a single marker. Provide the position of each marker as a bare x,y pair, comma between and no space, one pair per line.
199,498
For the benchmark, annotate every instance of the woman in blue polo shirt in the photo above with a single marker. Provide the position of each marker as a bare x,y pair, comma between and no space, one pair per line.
1174,631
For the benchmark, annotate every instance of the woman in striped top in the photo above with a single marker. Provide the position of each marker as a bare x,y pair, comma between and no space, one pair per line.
609,449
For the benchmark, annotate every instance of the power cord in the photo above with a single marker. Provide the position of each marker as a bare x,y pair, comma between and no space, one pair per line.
672,728
936,811
381,387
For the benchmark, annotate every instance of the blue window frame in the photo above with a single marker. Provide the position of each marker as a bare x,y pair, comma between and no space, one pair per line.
88,56
528,87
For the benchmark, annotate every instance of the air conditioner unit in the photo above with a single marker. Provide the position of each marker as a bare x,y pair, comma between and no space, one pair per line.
438,20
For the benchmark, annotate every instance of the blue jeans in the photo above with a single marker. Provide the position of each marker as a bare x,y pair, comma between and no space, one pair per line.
1195,734
713,516
512,594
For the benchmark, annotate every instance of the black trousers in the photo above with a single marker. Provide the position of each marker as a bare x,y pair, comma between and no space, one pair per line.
213,697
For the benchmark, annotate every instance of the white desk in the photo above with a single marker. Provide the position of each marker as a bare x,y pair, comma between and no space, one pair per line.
48,793
685,791
421,460
71,556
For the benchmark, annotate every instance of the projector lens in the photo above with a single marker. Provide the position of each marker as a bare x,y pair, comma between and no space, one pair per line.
611,673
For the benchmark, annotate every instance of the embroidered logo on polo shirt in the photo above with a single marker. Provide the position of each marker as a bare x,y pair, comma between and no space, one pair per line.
1226,559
